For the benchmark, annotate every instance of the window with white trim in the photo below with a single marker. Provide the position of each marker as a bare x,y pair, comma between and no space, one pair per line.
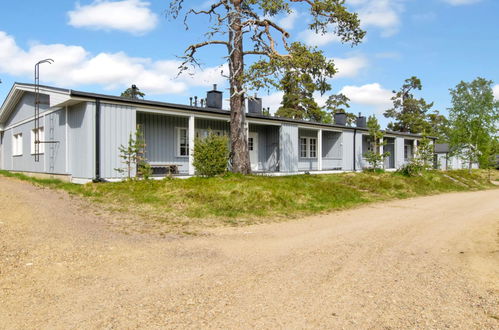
182,142
308,147
312,142
17,144
251,144
303,147
41,137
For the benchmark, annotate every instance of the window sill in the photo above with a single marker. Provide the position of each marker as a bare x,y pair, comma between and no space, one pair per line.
20,155
39,154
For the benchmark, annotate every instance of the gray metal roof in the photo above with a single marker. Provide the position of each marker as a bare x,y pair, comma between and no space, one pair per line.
83,94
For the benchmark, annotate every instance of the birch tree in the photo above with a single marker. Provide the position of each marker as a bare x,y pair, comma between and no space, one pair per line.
236,23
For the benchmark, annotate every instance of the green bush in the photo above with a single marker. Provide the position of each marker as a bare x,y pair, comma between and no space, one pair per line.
211,155
411,169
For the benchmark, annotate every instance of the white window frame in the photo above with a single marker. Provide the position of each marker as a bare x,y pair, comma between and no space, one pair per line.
308,147
17,144
179,144
251,143
41,137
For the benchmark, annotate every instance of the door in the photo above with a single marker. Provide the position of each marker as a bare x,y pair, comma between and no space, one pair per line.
253,150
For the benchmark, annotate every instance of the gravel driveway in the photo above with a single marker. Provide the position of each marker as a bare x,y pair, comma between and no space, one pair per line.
429,262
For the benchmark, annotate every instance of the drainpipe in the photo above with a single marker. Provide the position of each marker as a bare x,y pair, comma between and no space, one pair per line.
354,147
97,142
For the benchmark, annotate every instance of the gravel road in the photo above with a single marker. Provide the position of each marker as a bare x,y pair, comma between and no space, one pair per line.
429,263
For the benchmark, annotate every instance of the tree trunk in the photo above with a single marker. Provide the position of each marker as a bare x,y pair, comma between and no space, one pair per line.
238,138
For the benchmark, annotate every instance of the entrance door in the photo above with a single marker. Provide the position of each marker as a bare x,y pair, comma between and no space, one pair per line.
253,150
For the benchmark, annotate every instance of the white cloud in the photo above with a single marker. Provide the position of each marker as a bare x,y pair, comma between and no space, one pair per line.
133,16
288,22
461,2
75,66
384,14
273,101
349,67
316,39
373,95
495,89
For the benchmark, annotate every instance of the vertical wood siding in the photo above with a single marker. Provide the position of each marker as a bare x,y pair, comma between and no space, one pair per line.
288,148
81,120
160,133
117,123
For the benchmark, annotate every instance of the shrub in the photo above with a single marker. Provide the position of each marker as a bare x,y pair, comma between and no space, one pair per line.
211,155
411,169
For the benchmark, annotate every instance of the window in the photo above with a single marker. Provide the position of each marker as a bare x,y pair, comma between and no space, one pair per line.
313,147
182,142
203,133
303,147
308,147
41,137
407,152
250,144
17,145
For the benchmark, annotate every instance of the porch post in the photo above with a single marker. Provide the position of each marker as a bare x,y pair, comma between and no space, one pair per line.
414,147
381,150
191,134
319,149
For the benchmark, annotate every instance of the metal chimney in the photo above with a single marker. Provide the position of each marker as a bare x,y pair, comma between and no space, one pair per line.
361,121
214,98
255,105
340,118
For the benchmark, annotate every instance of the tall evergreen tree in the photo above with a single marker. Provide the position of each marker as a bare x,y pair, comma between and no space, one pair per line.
339,103
236,23
409,113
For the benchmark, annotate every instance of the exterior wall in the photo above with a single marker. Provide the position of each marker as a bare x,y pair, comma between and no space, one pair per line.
26,108
160,132
306,164
26,161
359,154
81,122
288,148
348,156
268,147
332,151
55,153
389,147
117,123
409,144
399,152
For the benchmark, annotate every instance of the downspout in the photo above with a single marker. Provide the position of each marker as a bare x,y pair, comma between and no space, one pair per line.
97,142
354,147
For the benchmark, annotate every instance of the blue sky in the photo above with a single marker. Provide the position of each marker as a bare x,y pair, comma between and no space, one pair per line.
105,46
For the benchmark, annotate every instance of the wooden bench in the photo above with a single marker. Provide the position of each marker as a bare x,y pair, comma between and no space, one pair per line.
164,169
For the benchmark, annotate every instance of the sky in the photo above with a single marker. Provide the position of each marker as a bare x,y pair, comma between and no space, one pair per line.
104,46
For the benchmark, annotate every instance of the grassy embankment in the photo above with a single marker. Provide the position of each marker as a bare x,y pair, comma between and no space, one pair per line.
235,200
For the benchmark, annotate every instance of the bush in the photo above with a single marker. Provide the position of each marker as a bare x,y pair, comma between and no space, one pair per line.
211,155
411,169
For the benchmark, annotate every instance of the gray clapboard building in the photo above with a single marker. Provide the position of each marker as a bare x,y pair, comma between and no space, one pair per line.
83,131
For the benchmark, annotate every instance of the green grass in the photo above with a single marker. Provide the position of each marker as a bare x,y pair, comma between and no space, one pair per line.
239,200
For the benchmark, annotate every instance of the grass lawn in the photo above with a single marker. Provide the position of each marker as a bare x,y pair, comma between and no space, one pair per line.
239,200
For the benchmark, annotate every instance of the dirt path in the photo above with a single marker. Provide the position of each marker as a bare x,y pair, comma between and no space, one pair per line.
429,262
